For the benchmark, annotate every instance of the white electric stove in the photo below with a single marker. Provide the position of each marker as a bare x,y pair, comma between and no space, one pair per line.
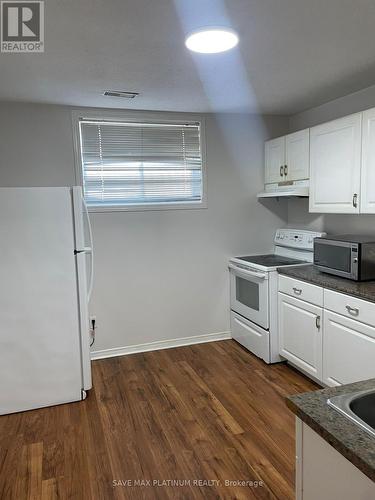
253,291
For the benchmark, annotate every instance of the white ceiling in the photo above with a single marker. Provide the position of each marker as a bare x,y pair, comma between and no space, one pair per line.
293,54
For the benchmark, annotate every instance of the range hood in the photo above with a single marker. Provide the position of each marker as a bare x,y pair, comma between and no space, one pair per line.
286,190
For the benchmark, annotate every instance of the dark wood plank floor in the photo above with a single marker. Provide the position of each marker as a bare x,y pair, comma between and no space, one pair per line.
199,414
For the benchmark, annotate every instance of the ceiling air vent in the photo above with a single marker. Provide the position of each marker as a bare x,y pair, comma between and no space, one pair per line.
120,93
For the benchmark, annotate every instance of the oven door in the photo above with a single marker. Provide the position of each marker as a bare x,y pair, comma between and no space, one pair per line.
249,294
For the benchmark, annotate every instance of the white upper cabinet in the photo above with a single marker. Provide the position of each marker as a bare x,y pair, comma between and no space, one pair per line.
338,160
368,163
335,166
297,148
274,160
287,158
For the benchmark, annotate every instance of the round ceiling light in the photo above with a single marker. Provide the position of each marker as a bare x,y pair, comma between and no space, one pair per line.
211,40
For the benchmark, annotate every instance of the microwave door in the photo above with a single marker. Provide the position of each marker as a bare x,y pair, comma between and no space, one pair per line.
335,257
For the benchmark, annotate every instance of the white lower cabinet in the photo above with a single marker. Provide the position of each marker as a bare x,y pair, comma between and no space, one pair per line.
300,334
348,350
322,473
335,343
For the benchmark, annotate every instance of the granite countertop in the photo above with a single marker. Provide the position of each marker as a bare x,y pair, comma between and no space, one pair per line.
361,289
354,443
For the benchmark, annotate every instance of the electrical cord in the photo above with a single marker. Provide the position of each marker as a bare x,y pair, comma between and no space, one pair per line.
93,321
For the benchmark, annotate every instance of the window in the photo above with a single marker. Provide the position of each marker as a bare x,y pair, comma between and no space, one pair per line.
129,164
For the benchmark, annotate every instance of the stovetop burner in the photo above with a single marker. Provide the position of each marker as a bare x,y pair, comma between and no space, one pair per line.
270,260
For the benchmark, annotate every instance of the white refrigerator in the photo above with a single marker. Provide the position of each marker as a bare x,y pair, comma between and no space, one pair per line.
46,273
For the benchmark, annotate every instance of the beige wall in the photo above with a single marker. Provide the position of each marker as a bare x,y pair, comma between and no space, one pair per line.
352,103
158,275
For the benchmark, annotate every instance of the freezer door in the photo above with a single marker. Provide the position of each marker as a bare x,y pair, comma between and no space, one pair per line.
78,218
40,348
83,235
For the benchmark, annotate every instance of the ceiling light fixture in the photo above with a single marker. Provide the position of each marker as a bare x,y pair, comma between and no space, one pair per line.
121,93
211,40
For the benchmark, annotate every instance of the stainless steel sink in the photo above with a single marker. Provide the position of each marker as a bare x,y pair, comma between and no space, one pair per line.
359,407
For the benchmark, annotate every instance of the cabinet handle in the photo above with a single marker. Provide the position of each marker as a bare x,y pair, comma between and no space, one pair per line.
285,170
281,171
354,311
317,322
355,200
297,291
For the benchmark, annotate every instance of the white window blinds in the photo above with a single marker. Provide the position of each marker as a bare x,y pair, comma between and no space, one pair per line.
126,164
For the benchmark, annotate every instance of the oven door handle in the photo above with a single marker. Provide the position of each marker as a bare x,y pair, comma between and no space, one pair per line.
248,274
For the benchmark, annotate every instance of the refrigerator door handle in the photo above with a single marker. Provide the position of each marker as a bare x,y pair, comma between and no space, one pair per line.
85,250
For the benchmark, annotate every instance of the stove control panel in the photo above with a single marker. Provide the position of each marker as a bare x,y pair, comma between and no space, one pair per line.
296,238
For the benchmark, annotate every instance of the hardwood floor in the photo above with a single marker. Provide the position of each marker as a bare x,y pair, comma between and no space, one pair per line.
200,415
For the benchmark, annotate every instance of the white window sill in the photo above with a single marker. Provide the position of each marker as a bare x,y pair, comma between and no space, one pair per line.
146,208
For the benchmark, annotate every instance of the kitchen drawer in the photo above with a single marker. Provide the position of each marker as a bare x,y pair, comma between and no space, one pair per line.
301,290
251,336
350,307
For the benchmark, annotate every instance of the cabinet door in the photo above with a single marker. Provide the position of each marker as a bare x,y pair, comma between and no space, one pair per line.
274,160
300,334
348,350
325,474
335,164
297,149
368,163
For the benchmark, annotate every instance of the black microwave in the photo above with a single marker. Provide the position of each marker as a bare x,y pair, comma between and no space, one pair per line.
348,256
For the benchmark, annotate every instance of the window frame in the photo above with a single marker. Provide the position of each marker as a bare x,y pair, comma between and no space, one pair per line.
139,117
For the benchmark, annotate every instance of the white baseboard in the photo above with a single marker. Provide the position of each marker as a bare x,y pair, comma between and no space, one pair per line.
163,344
